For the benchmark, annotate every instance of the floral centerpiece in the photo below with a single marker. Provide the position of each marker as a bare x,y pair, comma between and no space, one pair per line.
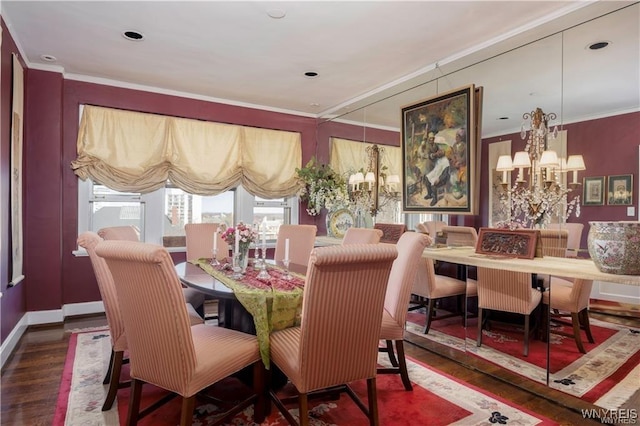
321,187
246,235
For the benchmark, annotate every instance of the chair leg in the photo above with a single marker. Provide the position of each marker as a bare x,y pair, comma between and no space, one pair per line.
391,353
107,377
430,312
373,401
260,389
402,365
115,368
526,335
303,408
134,402
479,337
584,316
575,321
186,415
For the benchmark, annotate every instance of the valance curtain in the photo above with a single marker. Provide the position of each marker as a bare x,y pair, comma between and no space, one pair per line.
138,152
348,157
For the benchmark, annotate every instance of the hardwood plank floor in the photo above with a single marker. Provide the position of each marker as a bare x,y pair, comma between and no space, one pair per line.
31,378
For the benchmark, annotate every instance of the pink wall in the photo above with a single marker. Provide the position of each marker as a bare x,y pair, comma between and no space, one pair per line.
609,147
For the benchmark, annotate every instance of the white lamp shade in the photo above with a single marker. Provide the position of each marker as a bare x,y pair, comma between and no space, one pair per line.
370,177
352,180
521,159
549,159
359,178
504,164
393,179
563,164
575,162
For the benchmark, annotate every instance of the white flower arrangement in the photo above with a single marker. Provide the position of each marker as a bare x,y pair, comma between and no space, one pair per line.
321,187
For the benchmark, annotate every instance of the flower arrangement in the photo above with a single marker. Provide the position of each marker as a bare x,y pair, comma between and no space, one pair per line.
247,234
321,187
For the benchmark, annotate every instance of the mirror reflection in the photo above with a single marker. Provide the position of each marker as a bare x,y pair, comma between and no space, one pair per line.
564,318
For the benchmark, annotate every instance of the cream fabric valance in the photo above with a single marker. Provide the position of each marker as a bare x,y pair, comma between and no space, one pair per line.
348,157
138,152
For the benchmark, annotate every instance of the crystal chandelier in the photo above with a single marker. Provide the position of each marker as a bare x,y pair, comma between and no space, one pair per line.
534,203
371,188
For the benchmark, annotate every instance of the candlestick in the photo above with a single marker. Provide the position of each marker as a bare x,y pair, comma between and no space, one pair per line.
286,249
264,235
215,240
237,241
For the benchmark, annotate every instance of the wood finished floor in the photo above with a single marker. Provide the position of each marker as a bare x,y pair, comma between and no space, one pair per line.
31,378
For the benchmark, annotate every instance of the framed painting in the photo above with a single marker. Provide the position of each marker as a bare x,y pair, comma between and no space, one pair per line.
518,243
439,153
620,190
593,191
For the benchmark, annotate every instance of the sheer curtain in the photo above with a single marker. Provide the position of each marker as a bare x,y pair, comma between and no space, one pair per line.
138,152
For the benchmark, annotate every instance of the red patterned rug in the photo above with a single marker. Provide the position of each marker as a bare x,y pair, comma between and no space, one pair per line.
607,375
437,398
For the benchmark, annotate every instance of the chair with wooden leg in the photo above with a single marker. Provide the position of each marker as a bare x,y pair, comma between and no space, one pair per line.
301,241
337,340
362,236
163,348
403,273
89,241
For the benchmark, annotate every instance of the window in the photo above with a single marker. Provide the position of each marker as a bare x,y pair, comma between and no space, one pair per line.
162,214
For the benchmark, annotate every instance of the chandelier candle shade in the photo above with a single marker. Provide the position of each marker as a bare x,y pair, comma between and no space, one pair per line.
544,196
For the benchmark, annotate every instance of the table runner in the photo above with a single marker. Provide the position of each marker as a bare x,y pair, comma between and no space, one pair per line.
274,305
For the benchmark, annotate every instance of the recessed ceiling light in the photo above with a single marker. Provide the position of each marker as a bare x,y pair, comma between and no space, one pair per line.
598,45
133,35
311,74
503,118
48,58
276,13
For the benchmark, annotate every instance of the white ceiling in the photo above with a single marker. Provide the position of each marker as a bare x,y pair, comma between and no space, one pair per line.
234,52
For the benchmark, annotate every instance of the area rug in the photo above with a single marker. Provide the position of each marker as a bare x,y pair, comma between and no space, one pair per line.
437,398
606,376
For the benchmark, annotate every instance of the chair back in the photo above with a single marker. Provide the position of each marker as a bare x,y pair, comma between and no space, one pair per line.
199,238
339,334
506,291
459,236
391,232
554,242
362,236
424,284
403,274
89,240
155,316
434,226
302,238
127,233
574,238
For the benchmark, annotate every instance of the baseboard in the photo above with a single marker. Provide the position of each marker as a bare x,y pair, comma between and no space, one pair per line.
45,317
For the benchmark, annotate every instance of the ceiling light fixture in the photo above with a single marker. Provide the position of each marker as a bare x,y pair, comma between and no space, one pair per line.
598,45
133,35
276,13
311,74
48,58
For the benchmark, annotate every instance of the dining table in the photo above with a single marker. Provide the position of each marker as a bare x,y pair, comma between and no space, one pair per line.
250,304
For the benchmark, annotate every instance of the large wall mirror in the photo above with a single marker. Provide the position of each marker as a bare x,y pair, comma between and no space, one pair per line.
553,69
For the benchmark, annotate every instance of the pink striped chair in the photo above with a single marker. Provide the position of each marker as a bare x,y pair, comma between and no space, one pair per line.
302,238
199,238
396,302
89,241
337,341
130,233
506,291
164,350
362,236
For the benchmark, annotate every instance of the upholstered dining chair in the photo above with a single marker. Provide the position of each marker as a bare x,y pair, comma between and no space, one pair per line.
396,302
431,227
570,298
391,232
432,287
362,236
506,291
199,241
130,233
459,236
554,242
337,340
163,349
574,237
89,241
301,241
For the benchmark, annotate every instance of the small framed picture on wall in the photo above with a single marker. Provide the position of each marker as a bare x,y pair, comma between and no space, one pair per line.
620,190
593,191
